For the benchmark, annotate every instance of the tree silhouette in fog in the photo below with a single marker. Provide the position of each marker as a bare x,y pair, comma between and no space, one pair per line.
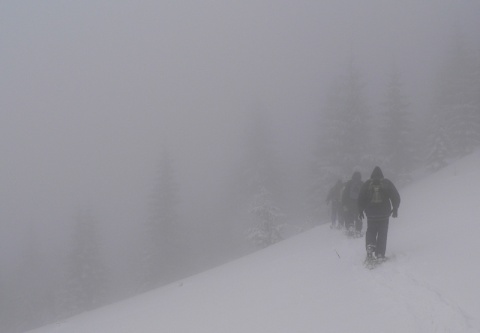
344,136
396,137
259,184
163,250
455,130
87,280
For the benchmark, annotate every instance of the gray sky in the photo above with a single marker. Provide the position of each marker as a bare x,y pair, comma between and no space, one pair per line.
91,90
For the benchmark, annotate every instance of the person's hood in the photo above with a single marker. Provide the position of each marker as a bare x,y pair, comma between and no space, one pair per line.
377,173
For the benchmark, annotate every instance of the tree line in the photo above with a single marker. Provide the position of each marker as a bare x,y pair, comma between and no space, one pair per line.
352,135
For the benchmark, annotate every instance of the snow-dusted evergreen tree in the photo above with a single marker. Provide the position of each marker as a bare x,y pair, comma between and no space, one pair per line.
396,138
162,246
326,165
259,183
87,279
355,152
437,157
266,228
343,144
455,109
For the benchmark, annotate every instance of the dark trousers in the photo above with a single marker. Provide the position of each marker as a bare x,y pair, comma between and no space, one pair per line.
376,235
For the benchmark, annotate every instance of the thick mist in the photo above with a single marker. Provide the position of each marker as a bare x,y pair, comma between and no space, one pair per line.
92,93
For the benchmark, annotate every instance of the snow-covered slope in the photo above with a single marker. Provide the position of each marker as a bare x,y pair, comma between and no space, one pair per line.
315,282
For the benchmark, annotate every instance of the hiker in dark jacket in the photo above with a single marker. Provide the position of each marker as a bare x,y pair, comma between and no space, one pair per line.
379,199
353,224
334,198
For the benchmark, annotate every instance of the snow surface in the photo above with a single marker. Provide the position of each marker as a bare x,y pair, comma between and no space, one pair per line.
315,282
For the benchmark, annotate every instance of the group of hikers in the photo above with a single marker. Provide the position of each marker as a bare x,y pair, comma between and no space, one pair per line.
377,199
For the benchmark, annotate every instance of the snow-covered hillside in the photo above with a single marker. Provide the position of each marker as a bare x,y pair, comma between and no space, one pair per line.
315,282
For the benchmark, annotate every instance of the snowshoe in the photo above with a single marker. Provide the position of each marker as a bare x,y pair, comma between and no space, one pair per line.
370,262
381,259
370,250
350,232
358,234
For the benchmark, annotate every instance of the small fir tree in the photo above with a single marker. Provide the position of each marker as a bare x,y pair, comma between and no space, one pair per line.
267,228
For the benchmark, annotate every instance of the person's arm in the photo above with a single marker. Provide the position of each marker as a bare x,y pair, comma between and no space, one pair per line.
394,198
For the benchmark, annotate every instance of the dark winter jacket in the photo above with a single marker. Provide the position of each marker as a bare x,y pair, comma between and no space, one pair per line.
378,197
351,192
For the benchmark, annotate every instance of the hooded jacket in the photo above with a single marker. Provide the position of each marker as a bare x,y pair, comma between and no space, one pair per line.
351,192
389,194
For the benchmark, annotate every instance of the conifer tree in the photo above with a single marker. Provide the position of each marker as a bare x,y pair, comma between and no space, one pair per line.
356,119
259,183
266,229
343,141
396,137
87,279
326,165
34,285
455,114
162,247
437,157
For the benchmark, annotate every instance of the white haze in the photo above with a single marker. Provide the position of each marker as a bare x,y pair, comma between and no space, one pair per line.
91,92
316,282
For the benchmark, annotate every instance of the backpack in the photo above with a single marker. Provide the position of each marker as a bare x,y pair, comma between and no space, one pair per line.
376,189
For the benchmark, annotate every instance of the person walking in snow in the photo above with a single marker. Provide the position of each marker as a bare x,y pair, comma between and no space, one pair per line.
379,199
353,224
334,198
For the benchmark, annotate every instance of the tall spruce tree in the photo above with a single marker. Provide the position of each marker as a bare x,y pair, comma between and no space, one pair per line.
35,286
259,183
343,142
456,118
87,279
476,96
162,246
326,167
355,152
396,137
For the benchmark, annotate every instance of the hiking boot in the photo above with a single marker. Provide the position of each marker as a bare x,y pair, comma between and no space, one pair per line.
370,250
